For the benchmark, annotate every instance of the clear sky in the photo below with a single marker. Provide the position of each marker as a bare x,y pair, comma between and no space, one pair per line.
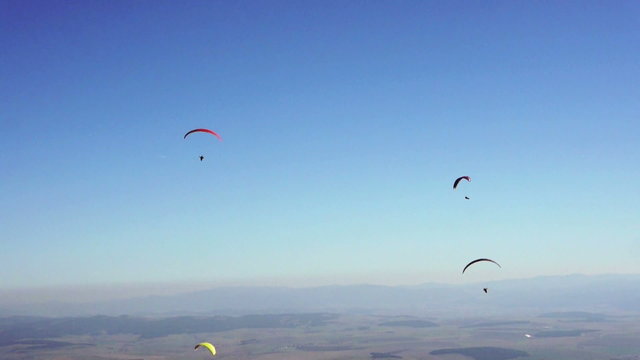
344,125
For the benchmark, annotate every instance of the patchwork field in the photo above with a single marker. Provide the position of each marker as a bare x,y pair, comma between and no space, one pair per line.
320,336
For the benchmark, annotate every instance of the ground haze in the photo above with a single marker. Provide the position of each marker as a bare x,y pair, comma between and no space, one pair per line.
319,336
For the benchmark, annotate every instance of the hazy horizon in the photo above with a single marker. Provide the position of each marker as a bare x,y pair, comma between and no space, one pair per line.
106,292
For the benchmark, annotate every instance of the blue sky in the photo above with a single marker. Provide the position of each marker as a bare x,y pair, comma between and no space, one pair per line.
344,126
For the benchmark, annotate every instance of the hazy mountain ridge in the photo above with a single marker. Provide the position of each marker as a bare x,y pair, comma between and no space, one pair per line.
601,293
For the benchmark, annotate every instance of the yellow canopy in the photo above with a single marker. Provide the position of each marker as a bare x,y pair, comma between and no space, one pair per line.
210,347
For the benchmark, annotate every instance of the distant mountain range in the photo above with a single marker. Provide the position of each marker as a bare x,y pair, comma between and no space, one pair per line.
609,294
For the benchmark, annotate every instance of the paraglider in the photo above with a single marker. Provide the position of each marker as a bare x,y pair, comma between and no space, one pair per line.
486,290
203,130
479,260
207,345
201,157
455,183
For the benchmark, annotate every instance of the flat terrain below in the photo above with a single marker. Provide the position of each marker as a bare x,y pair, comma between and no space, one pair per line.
321,336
